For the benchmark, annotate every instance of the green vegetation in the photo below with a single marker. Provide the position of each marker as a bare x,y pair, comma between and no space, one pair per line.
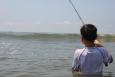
108,38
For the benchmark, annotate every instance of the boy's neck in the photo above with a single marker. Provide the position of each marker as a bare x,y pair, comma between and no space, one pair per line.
89,44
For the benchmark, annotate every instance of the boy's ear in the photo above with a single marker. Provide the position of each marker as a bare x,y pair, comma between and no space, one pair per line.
81,39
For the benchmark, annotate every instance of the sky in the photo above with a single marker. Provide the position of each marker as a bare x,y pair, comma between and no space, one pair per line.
56,16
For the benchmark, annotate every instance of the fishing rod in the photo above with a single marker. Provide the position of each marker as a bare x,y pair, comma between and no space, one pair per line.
96,41
76,12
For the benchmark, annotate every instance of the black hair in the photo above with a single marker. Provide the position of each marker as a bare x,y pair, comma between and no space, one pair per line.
88,32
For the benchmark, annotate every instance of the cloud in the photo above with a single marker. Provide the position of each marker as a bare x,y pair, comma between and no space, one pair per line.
27,23
15,23
37,23
62,23
67,22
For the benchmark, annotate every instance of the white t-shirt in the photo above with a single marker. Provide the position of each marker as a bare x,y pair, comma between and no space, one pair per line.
90,60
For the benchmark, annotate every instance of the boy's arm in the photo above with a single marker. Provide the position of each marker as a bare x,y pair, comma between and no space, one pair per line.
75,65
110,58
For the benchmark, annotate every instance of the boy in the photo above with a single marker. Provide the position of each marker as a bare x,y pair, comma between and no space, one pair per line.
90,59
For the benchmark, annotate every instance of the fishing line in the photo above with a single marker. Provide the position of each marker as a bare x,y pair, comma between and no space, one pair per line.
76,12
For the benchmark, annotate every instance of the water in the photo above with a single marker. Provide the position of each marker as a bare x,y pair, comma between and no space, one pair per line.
37,55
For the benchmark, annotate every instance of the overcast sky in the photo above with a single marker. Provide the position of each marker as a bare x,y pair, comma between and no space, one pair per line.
56,16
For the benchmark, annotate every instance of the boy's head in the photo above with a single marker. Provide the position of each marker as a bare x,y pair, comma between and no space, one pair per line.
88,32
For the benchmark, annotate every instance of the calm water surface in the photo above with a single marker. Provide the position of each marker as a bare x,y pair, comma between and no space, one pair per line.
42,56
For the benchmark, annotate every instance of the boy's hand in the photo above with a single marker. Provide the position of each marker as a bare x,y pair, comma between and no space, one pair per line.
110,59
97,43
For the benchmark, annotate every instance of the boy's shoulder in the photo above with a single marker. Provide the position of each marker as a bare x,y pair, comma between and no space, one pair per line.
78,51
102,48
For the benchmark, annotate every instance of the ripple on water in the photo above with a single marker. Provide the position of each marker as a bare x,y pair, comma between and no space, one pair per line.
4,58
25,75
